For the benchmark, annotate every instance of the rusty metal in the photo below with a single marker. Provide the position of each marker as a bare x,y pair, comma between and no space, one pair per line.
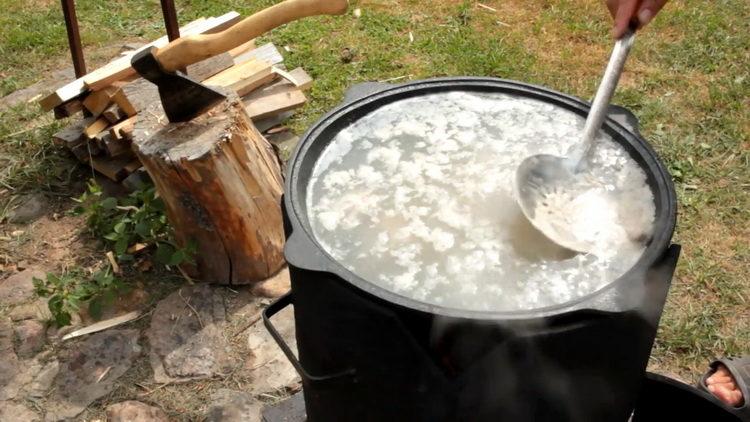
74,37
170,19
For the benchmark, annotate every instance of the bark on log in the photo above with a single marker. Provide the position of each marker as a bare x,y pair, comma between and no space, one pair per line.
221,183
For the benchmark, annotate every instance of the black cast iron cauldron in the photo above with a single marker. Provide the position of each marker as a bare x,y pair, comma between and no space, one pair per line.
367,354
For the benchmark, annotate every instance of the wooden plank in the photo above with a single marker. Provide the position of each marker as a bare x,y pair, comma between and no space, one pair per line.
98,101
114,168
70,91
78,87
124,103
209,67
120,130
298,77
244,77
272,100
68,109
121,69
73,134
111,146
236,51
95,128
114,113
267,53
102,325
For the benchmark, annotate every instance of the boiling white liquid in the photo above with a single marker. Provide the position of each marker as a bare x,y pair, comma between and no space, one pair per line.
417,198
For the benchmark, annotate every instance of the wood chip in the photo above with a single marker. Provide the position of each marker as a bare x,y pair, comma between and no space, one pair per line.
103,325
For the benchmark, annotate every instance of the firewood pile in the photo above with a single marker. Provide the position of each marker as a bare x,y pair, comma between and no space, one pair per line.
110,98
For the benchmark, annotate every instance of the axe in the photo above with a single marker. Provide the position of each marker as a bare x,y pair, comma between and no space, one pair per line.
183,98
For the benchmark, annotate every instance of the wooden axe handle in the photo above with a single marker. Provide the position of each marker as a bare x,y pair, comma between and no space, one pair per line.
194,48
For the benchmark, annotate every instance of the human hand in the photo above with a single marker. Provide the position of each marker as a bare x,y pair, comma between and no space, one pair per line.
639,11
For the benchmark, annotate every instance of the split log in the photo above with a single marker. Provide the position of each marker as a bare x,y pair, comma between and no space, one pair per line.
222,186
273,99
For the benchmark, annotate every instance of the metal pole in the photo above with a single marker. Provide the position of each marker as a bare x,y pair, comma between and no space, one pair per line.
170,19
74,37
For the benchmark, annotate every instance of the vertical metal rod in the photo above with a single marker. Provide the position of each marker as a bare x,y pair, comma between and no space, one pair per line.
170,19
74,37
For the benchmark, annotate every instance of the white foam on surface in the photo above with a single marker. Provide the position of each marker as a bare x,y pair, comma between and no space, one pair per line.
417,198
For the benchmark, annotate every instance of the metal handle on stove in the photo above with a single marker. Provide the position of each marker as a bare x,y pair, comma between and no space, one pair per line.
272,310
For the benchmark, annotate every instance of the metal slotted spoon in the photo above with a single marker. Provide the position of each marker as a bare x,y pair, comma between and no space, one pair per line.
539,174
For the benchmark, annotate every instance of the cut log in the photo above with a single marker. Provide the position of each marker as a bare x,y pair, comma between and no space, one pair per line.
243,78
209,67
68,109
140,94
120,68
221,183
273,99
114,113
95,128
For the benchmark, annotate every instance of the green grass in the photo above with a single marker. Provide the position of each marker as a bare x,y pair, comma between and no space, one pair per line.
687,81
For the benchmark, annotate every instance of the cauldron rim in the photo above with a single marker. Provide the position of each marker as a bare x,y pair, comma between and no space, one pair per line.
304,251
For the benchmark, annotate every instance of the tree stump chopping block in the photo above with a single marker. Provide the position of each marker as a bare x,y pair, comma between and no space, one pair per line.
222,186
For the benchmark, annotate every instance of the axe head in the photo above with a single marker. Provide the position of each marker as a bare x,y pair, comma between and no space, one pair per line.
181,97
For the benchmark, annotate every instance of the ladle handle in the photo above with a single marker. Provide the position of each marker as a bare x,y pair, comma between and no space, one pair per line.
604,94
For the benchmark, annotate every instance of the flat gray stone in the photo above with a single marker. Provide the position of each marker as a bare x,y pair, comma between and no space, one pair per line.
30,337
233,406
9,366
38,311
43,380
25,95
186,335
289,410
135,411
269,368
10,411
19,287
30,208
90,371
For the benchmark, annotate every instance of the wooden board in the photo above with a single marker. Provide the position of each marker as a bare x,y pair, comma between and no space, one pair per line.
274,99
115,168
123,129
73,134
120,69
267,53
124,103
96,128
98,101
236,51
298,77
68,109
111,146
114,113
209,67
101,78
244,77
